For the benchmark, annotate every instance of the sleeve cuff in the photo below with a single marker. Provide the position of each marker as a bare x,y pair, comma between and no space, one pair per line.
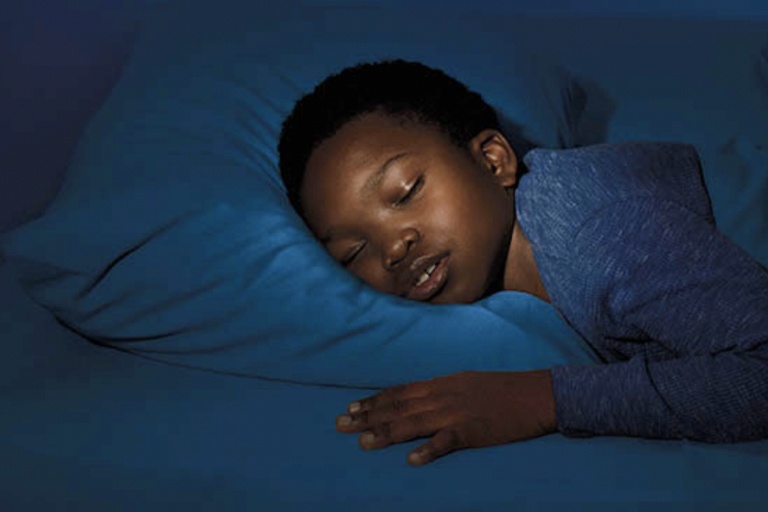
611,399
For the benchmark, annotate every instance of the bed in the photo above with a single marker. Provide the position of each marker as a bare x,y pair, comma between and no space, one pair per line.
154,355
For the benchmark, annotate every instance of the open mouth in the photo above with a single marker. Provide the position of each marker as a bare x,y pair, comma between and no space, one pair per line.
426,274
431,274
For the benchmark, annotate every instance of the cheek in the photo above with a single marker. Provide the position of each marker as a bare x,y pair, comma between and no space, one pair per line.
474,214
370,271
478,225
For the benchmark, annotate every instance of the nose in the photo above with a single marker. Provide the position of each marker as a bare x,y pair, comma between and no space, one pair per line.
398,248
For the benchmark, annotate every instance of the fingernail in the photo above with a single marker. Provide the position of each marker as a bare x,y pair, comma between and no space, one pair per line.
344,420
354,407
367,438
415,458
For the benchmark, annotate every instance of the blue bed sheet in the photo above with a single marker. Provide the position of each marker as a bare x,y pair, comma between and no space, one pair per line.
90,429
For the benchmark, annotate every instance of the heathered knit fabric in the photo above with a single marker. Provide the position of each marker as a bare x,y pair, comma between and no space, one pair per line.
627,249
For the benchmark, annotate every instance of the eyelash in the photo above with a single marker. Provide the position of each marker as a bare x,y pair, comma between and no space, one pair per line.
347,260
411,192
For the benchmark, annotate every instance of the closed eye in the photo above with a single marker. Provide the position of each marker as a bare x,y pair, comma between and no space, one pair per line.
352,254
411,192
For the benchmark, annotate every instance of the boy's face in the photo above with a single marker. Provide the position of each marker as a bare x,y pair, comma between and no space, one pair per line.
403,208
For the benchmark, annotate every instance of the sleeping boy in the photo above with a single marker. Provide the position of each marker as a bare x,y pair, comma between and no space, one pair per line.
405,176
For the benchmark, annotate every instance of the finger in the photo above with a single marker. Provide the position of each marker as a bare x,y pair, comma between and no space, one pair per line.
371,402
405,391
420,424
350,423
444,442
393,411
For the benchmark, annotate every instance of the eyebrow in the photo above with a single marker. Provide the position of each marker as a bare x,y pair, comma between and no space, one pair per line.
370,185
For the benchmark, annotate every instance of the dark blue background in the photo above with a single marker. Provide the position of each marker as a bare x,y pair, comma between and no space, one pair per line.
59,59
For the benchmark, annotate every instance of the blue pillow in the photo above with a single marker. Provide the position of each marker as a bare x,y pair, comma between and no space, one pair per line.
172,238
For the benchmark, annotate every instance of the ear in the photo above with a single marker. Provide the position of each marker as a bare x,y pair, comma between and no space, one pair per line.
493,152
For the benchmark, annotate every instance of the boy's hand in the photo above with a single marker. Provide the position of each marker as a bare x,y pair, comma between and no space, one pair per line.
464,410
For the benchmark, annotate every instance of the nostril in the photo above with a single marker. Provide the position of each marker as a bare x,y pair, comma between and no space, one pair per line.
394,256
400,248
411,238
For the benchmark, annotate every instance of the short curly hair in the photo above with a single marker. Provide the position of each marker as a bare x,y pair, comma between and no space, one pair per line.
394,87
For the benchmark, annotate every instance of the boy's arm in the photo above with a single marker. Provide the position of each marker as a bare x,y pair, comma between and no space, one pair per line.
677,281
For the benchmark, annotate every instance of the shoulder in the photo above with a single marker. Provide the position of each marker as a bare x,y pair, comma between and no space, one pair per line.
563,189
585,179
594,214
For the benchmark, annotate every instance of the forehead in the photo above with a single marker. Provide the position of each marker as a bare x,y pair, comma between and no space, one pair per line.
363,145
370,137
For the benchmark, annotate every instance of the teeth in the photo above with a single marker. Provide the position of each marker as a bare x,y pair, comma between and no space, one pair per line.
426,274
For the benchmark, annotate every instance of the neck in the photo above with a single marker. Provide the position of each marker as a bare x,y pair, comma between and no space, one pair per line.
520,271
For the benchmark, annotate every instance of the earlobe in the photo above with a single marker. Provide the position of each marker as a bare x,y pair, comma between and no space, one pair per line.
493,151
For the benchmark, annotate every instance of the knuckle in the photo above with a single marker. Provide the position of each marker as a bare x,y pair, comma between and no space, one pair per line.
407,429
419,389
418,419
428,421
383,431
394,391
399,405
360,419
452,439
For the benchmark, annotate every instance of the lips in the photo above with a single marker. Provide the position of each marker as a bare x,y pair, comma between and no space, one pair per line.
428,276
